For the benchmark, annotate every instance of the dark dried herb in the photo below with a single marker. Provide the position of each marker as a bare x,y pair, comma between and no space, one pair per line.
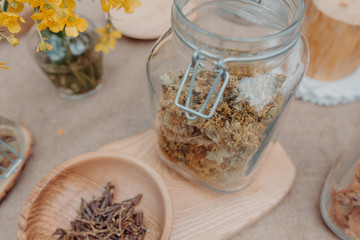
103,219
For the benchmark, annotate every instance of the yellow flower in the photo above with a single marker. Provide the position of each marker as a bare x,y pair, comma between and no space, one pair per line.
69,4
108,38
10,20
109,31
75,25
102,47
13,40
105,5
43,47
52,19
129,5
2,65
15,6
43,3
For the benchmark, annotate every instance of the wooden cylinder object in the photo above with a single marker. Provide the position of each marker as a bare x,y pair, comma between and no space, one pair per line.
332,28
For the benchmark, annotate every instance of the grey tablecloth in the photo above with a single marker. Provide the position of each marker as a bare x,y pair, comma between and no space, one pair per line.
313,136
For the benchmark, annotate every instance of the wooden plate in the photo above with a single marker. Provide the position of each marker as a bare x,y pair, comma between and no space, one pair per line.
54,201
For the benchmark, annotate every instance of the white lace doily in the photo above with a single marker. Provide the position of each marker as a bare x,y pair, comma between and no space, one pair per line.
330,93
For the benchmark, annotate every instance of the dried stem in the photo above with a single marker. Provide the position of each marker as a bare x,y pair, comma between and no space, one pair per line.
103,219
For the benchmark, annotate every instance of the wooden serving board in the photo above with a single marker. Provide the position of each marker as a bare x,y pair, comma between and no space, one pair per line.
202,214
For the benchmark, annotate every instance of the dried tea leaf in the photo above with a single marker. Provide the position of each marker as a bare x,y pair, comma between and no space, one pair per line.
102,219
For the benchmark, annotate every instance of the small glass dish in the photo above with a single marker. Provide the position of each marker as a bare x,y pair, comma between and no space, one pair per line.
340,199
12,147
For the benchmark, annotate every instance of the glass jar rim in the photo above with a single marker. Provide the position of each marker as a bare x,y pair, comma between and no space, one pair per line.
179,4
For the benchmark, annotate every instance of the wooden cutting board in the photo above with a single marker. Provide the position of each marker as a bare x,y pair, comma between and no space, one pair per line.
202,214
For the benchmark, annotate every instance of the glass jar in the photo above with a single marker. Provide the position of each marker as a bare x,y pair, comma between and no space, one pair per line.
220,78
12,140
340,199
73,65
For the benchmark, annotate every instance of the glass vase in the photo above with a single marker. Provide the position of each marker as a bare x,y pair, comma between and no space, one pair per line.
220,80
73,66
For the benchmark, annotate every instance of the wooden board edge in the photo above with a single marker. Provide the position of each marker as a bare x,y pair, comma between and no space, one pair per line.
110,146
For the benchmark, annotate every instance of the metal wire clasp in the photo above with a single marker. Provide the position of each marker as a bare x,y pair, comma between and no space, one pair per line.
222,73
14,163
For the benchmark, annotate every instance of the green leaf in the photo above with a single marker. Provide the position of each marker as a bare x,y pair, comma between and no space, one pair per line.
6,5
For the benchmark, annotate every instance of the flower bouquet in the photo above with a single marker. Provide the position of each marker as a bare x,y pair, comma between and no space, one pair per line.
68,47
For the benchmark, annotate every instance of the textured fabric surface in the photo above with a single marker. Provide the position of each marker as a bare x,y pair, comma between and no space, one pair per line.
312,135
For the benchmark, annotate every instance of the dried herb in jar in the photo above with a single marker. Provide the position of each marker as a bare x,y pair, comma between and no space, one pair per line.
345,207
101,218
217,150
